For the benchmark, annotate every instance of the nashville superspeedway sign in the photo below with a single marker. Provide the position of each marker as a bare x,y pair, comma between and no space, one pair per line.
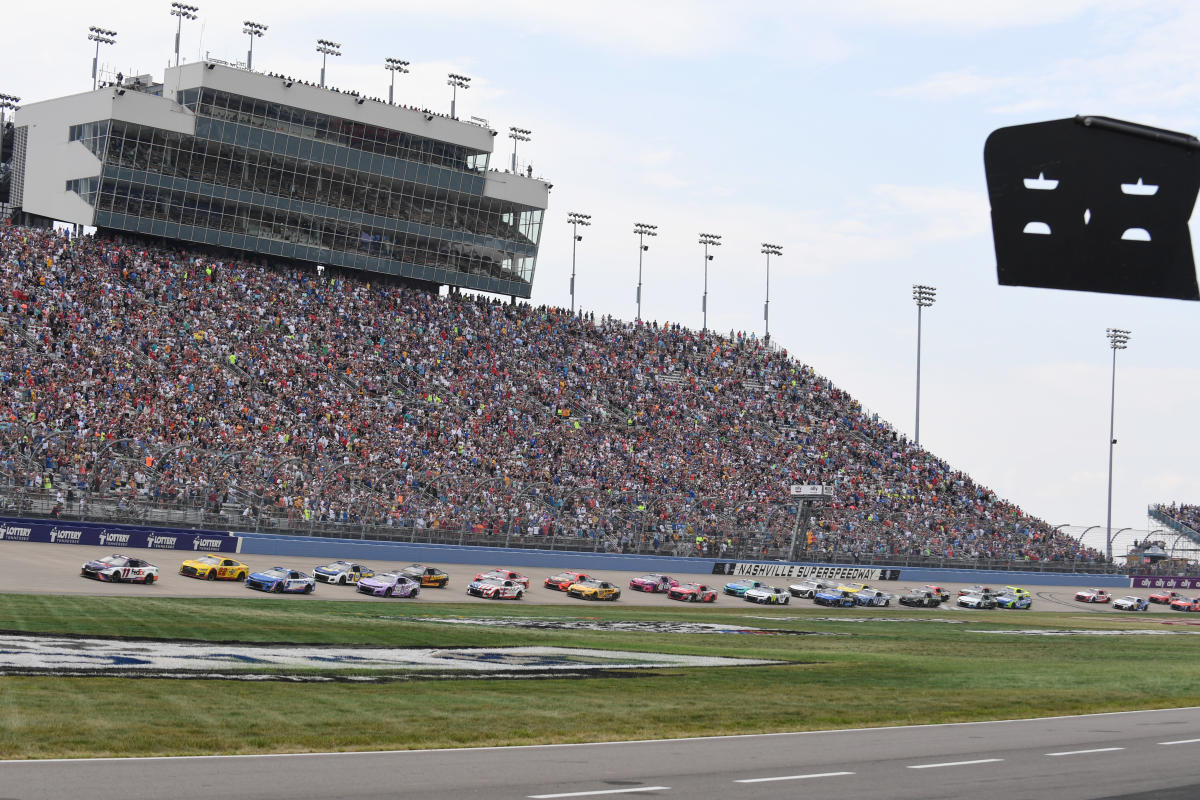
752,570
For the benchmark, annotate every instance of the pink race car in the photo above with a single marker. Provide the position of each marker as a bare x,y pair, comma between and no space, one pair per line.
1093,596
653,583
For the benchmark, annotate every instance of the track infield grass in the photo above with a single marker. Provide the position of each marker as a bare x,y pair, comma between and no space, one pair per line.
874,673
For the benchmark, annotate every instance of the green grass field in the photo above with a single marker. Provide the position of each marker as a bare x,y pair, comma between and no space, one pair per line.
877,673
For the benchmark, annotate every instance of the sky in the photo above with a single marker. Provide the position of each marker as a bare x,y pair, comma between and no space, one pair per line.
850,134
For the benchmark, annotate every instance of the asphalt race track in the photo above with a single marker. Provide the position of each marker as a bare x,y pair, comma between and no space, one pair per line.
1123,755
53,568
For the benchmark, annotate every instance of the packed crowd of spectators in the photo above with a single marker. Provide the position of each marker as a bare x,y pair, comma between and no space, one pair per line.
1182,513
164,376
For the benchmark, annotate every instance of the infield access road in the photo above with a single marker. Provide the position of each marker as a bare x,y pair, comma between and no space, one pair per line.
1119,755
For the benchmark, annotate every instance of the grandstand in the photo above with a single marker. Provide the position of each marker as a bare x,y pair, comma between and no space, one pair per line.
158,383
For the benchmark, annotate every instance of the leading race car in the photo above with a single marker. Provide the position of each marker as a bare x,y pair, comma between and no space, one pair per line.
1164,597
872,597
505,575
920,598
213,567
977,600
427,576
834,597
809,587
281,579
1093,596
1010,599
390,584
1184,604
496,589
594,590
653,582
1131,603
342,572
563,581
692,593
739,588
118,569
767,596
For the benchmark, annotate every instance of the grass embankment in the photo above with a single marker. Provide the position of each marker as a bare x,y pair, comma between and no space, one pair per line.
880,673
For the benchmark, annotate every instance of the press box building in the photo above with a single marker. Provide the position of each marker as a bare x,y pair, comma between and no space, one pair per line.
222,156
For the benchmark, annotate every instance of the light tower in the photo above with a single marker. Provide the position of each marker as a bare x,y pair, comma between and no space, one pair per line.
99,36
518,135
642,230
924,297
707,240
456,82
769,250
253,30
183,11
394,65
575,219
8,102
1118,339
327,48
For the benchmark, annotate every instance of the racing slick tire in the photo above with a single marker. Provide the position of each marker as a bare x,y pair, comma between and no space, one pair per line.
415,593
277,587
211,575
241,576
308,589
387,592
341,580
116,577
149,579
520,596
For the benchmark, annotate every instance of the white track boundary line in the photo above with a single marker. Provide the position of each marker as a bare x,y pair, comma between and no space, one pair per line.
794,777
955,763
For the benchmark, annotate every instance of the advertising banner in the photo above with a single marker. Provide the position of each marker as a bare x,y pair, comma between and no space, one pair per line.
117,537
1163,582
742,569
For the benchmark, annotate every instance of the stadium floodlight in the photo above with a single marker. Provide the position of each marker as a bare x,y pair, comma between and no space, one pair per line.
575,219
769,250
518,135
642,230
327,48
253,30
708,240
99,36
1118,339
7,101
923,296
456,82
182,11
394,65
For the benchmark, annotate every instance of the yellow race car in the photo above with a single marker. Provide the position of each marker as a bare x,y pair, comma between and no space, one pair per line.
428,576
214,568
853,588
593,590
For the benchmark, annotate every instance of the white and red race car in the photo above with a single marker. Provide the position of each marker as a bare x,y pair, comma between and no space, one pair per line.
118,568
1093,596
496,589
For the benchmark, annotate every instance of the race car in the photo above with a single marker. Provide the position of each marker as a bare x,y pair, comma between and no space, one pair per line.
214,568
120,569
977,600
1010,599
1184,604
505,575
977,590
767,596
496,589
1164,597
390,584
872,597
740,587
427,576
936,590
342,572
809,587
593,590
1093,596
920,598
281,579
653,582
852,588
562,581
835,597
692,593
1131,603
1015,591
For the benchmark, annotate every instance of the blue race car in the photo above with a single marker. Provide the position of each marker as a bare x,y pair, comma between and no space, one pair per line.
1131,603
1014,600
280,579
833,597
739,588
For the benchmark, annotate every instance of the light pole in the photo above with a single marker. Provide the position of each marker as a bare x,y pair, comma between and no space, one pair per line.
7,102
456,82
769,250
1118,339
518,135
642,230
253,30
923,296
394,65
183,11
327,48
708,240
575,219
99,36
